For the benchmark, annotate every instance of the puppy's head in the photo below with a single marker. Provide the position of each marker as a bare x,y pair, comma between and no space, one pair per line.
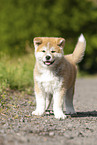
48,50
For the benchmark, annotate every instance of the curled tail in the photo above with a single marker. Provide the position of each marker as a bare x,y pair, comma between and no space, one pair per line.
79,50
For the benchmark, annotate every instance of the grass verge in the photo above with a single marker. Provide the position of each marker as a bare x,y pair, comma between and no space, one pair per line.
17,73
16,79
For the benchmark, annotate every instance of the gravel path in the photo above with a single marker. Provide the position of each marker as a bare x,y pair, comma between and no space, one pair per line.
18,127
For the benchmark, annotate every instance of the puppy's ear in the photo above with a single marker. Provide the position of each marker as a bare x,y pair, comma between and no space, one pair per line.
37,41
61,42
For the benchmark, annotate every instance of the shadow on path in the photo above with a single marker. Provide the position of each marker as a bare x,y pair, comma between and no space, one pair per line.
85,114
78,114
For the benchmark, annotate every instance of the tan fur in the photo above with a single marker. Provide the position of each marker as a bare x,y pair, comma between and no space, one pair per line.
78,53
55,74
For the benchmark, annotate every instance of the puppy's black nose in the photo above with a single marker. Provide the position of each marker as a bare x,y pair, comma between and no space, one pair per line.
48,57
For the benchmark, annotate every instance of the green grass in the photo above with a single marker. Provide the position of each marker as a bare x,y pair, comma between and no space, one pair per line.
17,73
16,79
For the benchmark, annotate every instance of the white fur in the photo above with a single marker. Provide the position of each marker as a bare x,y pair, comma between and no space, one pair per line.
81,38
49,85
40,107
57,106
48,81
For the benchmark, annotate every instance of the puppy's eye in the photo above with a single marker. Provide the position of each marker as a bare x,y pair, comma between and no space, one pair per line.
43,50
53,51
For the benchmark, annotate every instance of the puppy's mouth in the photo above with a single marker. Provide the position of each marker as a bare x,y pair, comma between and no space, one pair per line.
48,63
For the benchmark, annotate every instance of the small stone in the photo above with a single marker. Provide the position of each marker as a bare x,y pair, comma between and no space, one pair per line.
30,131
80,134
69,126
51,133
68,136
47,113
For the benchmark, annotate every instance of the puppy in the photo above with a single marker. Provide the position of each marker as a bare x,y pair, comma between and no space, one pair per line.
55,74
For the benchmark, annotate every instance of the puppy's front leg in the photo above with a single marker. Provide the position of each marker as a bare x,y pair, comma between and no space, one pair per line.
40,101
58,103
40,105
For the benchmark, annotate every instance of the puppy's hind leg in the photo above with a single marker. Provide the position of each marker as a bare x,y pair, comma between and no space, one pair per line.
48,100
69,101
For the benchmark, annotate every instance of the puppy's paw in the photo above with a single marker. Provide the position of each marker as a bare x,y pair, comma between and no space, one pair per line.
70,111
38,112
60,115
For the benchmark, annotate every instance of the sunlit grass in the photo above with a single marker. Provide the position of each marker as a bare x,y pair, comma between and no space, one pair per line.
17,73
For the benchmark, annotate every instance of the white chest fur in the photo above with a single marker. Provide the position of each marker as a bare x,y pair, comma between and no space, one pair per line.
48,81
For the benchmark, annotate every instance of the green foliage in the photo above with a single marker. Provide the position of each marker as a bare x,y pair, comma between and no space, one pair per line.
22,20
16,73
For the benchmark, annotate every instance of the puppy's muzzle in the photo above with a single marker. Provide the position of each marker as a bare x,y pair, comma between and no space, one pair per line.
48,60
48,57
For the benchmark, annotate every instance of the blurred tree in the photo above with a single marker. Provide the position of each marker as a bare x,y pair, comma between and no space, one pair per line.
22,20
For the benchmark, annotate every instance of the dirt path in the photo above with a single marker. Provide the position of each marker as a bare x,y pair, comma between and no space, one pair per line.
18,127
